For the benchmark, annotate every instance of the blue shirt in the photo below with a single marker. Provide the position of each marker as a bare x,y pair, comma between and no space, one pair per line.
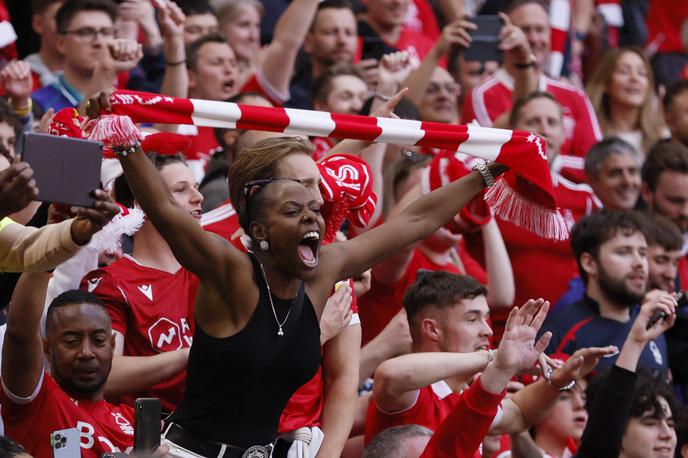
579,325
57,96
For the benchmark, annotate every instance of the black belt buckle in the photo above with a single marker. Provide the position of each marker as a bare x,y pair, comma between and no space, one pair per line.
256,451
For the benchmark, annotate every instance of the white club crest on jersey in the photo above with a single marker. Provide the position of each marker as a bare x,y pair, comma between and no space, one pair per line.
147,290
93,283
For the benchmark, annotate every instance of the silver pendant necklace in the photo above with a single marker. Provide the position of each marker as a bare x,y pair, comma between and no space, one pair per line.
280,332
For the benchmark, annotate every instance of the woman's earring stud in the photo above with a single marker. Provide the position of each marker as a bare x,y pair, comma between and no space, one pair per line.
264,245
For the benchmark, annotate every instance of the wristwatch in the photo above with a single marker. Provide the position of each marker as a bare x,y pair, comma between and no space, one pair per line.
484,171
532,60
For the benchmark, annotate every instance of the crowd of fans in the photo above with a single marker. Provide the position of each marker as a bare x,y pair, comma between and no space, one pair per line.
265,324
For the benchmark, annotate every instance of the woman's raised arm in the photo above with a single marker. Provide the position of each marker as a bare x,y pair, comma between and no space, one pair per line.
416,222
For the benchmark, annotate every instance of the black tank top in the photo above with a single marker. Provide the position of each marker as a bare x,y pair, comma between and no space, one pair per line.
237,387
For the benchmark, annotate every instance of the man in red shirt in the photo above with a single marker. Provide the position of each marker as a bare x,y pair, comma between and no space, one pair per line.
540,113
150,299
448,319
489,100
79,347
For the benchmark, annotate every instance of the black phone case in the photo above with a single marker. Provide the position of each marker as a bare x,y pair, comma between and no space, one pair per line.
146,424
485,44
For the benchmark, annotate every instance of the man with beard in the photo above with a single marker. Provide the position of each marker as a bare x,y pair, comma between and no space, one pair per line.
676,110
611,252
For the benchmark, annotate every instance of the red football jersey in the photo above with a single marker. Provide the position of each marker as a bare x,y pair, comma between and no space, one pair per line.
487,101
380,304
153,310
103,427
665,21
542,267
432,406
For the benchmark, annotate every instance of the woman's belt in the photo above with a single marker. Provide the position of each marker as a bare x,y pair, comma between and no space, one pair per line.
211,449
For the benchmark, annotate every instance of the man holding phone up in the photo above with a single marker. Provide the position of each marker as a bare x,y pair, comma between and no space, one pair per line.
489,101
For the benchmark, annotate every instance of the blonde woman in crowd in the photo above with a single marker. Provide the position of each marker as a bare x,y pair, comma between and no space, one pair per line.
621,91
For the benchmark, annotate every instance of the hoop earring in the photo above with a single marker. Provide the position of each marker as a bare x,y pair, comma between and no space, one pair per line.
264,245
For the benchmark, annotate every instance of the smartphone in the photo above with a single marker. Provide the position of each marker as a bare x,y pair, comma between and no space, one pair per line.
146,424
65,443
485,39
66,170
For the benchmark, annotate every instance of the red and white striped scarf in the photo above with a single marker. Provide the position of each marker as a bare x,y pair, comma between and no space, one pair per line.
524,195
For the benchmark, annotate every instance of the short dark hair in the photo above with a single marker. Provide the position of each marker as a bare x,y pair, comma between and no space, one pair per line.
333,4
323,84
664,155
514,4
591,231
71,8
10,449
195,7
648,388
674,90
523,101
440,289
73,297
195,46
661,231
390,442
602,150
123,193
39,6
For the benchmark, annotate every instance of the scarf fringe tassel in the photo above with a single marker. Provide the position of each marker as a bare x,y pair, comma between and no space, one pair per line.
513,207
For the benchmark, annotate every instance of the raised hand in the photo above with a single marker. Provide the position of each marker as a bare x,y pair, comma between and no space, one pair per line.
394,68
142,12
121,55
171,18
456,33
518,349
580,364
88,221
513,40
16,80
657,302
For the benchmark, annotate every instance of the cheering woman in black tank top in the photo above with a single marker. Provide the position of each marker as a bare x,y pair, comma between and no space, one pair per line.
257,333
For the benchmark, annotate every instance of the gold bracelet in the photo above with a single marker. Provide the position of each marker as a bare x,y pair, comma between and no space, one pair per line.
24,111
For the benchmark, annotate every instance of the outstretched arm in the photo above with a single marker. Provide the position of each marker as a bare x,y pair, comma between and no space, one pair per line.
530,405
398,380
417,221
200,252
290,32
22,351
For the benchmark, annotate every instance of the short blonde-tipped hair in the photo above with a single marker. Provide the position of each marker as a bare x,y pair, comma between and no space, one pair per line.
260,161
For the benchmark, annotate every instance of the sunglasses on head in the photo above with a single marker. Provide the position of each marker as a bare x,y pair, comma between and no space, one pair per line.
253,187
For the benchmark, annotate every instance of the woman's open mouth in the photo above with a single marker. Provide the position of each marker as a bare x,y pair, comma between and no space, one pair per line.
308,248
